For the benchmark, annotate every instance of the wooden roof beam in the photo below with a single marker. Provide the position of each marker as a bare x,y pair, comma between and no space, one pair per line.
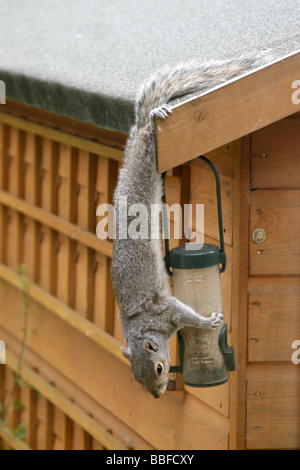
228,112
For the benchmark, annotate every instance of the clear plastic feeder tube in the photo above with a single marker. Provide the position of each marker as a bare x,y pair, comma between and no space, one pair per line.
203,361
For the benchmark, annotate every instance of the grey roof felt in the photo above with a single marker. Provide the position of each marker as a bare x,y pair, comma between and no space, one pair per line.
87,58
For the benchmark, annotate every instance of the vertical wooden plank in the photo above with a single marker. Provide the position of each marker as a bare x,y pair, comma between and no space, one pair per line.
237,433
81,439
3,234
16,187
4,160
86,181
84,293
84,302
96,445
44,424
2,386
32,173
48,261
4,139
87,441
29,415
16,162
32,194
49,202
12,394
49,422
49,176
67,209
66,258
40,423
106,177
58,429
68,432
104,297
67,172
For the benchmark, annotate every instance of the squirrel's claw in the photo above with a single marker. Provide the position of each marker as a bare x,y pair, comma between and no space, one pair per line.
216,319
162,111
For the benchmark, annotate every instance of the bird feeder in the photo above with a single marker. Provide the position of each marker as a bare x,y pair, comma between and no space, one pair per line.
204,354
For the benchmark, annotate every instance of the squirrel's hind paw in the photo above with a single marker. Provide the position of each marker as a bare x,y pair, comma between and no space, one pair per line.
162,111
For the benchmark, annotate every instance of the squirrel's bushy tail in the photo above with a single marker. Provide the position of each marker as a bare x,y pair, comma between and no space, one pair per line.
190,77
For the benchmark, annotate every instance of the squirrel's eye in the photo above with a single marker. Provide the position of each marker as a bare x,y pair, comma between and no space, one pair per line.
159,369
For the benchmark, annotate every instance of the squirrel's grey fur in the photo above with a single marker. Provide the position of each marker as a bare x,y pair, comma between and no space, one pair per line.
150,315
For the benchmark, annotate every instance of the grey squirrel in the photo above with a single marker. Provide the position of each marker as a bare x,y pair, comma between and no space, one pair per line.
149,314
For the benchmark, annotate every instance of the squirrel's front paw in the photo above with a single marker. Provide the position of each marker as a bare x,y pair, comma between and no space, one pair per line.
216,319
162,111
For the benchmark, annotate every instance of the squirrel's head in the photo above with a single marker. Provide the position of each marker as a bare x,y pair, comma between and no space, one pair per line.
150,365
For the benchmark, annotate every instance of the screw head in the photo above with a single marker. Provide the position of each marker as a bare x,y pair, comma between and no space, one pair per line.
259,235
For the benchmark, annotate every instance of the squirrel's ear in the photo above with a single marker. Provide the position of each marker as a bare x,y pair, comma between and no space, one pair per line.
126,352
149,347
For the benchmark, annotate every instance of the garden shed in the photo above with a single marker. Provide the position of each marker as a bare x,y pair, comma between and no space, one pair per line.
71,72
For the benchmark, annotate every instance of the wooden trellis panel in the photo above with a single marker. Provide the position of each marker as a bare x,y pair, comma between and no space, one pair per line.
51,183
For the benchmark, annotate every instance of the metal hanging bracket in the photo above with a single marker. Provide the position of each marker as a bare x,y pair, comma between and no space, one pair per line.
222,254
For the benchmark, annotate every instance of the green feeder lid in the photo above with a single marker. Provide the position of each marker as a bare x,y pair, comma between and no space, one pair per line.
208,255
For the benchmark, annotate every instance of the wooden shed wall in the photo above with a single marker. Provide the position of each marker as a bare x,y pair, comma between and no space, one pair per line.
273,381
53,174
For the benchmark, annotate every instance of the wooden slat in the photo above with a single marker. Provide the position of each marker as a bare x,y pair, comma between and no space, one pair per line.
44,423
4,139
85,257
106,178
16,188
78,395
71,126
274,309
273,407
66,314
49,202
67,210
227,113
5,434
237,383
278,213
273,326
68,431
271,285
32,194
84,281
30,399
108,381
70,410
49,425
56,223
63,137
275,153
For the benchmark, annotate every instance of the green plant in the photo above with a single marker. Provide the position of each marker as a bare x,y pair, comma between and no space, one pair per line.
20,431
